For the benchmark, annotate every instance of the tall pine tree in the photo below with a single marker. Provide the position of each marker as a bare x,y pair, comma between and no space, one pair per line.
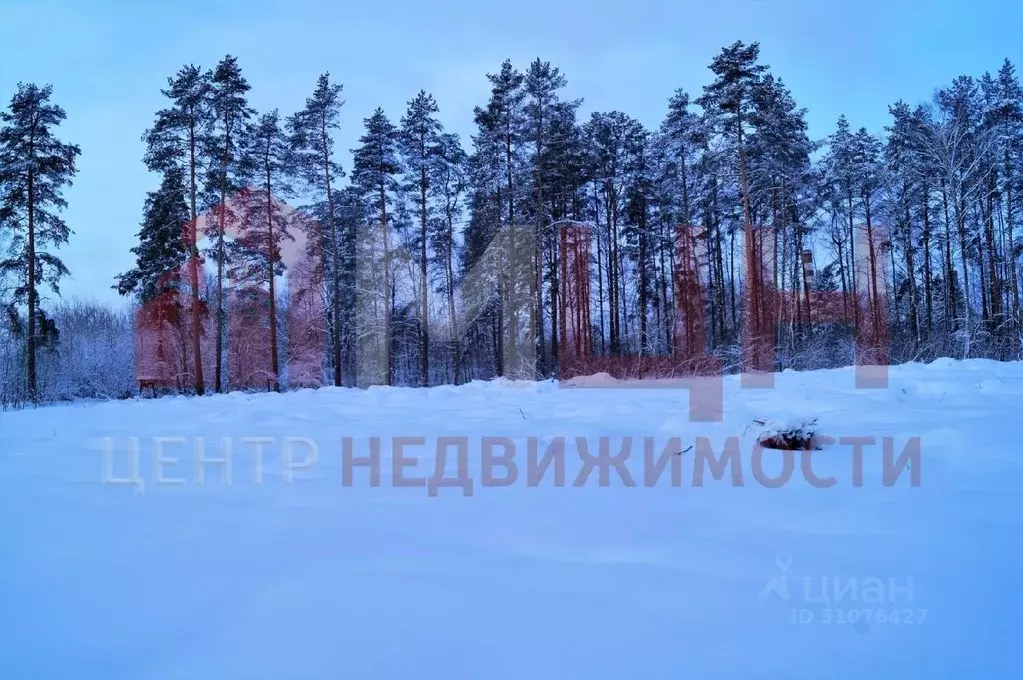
312,131
499,146
35,167
230,116
176,142
542,82
730,100
449,170
375,165
266,221
418,142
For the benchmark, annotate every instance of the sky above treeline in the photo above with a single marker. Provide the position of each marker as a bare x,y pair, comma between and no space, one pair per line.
107,62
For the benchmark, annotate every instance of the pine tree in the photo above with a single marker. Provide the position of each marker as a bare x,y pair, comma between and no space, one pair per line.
990,161
231,115
176,142
35,167
542,82
481,275
680,139
613,139
266,220
683,135
449,170
564,165
958,146
1007,117
160,252
779,158
351,220
499,142
375,165
866,161
638,199
924,172
419,138
730,100
1002,124
903,191
838,186
312,129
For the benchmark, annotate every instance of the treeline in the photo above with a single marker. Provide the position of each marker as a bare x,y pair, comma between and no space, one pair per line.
439,259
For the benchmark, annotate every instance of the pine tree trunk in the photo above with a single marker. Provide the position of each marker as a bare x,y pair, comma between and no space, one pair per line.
388,350
218,385
718,238
614,276
872,252
950,283
731,280
841,273
984,290
541,369
853,290
554,362
424,348
963,250
1010,255
686,221
621,291
225,159
513,309
499,326
335,331
989,235
600,274
30,359
928,293
914,312
708,290
194,264
893,288
755,307
502,288
643,285
456,351
274,363
803,277
664,275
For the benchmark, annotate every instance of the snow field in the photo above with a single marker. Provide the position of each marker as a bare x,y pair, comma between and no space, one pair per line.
316,579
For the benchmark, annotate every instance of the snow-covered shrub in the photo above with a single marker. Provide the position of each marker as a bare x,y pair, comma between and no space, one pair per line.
791,434
94,355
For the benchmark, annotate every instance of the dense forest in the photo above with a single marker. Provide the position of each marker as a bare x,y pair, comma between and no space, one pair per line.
435,259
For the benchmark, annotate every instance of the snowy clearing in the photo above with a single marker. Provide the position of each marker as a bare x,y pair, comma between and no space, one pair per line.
315,579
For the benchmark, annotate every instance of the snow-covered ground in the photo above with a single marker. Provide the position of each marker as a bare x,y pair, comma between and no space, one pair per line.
316,579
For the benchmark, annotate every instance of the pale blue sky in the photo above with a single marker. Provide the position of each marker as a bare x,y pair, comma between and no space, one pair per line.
108,60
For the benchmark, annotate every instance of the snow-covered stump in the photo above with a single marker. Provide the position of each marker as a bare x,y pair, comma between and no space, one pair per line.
792,434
